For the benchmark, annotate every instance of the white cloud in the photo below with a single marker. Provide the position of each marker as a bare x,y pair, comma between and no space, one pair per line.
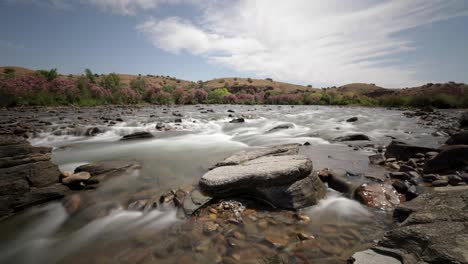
332,42
130,7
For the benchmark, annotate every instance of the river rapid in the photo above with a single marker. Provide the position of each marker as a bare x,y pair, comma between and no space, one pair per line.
106,232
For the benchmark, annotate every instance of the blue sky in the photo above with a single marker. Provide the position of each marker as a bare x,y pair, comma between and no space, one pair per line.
391,43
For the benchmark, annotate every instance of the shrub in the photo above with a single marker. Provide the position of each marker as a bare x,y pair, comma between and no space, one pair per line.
91,77
9,72
200,95
111,82
216,96
138,85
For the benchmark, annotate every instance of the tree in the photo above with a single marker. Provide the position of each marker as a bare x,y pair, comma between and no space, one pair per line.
138,84
49,75
91,77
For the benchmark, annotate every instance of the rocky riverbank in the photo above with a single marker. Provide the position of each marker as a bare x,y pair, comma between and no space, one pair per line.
259,204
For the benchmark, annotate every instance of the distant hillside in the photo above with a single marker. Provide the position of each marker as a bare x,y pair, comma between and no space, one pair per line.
21,86
245,84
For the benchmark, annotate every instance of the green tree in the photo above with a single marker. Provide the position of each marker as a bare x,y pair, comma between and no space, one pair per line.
49,75
90,75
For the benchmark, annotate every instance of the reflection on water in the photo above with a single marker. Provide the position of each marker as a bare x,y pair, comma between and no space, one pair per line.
103,232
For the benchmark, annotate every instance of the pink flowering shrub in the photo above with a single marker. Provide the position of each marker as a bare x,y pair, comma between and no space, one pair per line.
285,99
128,95
200,95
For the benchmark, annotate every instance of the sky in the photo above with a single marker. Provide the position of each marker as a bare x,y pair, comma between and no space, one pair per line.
395,44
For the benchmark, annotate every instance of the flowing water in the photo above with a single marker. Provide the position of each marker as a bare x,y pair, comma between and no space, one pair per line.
105,232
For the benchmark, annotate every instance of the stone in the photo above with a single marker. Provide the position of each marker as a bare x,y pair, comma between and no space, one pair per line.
138,135
237,120
464,120
433,227
264,172
352,137
375,195
104,168
454,180
449,159
400,186
377,159
194,201
352,119
76,177
244,156
402,151
458,139
440,183
300,194
93,131
280,127
369,256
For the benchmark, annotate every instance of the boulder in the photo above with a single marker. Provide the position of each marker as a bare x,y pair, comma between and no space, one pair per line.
377,159
138,135
458,139
402,151
352,137
282,180
449,159
370,256
263,171
243,156
433,227
352,119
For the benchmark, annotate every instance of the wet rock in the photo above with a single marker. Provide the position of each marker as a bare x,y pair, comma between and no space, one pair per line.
105,168
353,137
402,151
339,181
464,120
194,201
237,120
454,180
449,159
377,159
440,183
433,227
72,203
352,119
264,171
137,135
283,181
400,186
458,139
244,156
371,257
381,196
93,131
300,194
280,127
76,177
160,126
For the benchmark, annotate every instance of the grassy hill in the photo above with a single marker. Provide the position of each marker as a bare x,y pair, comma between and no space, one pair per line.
23,86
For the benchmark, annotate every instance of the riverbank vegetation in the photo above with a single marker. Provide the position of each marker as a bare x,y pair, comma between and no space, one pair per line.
48,88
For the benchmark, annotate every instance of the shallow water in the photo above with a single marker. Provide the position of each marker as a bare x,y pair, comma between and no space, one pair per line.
104,232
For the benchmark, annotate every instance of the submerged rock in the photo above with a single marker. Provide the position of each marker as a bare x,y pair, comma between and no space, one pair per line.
137,135
102,168
237,120
353,137
280,127
375,195
352,119
464,120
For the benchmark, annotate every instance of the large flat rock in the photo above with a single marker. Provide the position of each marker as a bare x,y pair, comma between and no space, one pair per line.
262,172
244,156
